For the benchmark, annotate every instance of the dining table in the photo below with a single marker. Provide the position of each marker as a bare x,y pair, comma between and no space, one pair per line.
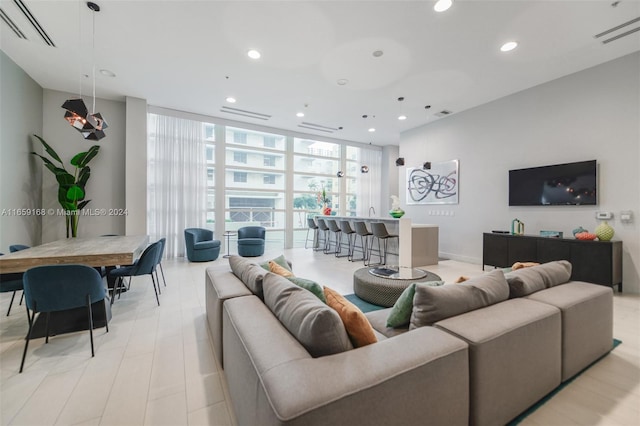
98,252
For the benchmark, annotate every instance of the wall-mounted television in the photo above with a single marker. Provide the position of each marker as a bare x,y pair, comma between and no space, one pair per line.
556,185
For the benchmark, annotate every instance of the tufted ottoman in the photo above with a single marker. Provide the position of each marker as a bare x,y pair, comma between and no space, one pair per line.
383,291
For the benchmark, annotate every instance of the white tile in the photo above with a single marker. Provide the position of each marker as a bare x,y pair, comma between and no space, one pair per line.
216,414
170,410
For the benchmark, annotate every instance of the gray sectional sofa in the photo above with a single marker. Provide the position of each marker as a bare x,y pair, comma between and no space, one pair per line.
476,353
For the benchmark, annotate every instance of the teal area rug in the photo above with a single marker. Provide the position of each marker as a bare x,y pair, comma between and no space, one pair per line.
363,305
553,393
368,307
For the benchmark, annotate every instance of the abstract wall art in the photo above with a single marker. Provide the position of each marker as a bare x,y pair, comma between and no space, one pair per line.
437,185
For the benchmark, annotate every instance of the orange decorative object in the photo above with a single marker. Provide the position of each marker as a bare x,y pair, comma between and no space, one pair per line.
586,236
326,211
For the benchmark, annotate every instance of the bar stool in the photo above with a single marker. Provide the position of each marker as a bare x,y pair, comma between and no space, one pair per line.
333,227
323,233
363,232
346,229
380,232
311,225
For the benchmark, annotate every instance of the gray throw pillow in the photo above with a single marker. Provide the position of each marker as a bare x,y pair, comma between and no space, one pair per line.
526,281
315,325
432,304
249,273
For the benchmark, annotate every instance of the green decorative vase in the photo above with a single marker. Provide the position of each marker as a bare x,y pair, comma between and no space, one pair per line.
604,231
396,213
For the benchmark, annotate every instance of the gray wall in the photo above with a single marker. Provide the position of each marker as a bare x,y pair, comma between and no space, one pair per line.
593,114
136,166
20,174
106,187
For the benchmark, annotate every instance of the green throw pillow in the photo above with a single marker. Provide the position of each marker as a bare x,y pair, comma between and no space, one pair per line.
280,260
312,286
400,314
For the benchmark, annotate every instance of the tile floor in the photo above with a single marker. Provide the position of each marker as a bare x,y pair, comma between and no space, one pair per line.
156,364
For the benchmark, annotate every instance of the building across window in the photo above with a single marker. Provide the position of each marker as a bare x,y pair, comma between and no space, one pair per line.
269,161
239,137
269,141
240,177
240,157
269,179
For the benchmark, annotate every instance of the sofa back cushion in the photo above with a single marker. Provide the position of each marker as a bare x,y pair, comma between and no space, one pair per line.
432,304
526,281
249,273
315,325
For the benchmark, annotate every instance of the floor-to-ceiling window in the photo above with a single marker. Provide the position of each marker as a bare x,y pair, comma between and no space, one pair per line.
275,180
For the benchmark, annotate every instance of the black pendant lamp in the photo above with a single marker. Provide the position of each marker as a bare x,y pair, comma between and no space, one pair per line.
91,126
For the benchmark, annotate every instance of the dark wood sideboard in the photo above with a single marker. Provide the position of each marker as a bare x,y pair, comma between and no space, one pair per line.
598,262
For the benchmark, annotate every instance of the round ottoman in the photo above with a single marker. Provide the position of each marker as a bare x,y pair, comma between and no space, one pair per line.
383,291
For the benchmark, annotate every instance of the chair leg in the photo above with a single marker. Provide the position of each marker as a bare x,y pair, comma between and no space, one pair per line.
21,298
47,322
90,324
162,271
306,239
154,289
11,303
157,279
26,343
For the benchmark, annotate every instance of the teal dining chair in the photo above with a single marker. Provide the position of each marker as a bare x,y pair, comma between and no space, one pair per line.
54,288
145,265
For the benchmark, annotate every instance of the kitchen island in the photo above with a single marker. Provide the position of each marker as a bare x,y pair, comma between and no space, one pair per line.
417,244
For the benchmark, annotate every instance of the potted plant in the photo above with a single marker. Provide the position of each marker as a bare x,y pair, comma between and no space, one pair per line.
71,187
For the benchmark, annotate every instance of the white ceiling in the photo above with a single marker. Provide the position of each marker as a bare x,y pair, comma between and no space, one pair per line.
178,54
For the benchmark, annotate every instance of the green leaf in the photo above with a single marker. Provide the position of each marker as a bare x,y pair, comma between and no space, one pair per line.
92,152
50,150
83,176
75,193
65,178
77,159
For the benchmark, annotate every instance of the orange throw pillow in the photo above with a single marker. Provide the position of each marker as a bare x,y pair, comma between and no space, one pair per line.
277,269
520,265
461,279
355,322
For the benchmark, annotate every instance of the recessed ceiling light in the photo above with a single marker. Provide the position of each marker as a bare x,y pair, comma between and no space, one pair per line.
378,53
402,117
300,114
254,54
509,46
442,5
371,130
342,81
231,100
107,73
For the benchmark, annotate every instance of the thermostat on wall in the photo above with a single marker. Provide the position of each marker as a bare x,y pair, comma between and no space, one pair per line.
604,215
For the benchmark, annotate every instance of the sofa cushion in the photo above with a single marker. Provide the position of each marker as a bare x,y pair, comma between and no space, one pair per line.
400,313
315,325
378,320
249,273
279,270
203,245
312,286
280,260
525,281
431,304
357,325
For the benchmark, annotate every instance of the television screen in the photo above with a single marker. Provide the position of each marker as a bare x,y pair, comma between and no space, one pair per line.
556,185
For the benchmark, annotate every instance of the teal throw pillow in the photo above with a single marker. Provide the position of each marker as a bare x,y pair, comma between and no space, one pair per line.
400,314
280,260
312,286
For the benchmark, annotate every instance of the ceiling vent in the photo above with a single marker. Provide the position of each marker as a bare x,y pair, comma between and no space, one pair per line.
318,127
443,113
32,20
245,113
7,20
618,28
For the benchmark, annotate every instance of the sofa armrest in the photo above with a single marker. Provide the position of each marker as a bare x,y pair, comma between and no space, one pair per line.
420,377
220,285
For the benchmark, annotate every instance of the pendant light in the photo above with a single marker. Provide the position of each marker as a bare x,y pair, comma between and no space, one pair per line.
91,126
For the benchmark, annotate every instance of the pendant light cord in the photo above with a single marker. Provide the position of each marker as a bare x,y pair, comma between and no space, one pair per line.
80,48
93,59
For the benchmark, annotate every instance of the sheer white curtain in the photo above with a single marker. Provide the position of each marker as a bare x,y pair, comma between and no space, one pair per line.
370,183
177,180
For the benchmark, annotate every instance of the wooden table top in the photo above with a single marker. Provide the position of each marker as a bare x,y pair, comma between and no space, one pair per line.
96,251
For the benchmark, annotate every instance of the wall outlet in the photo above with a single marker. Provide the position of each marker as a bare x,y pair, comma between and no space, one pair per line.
604,215
626,216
